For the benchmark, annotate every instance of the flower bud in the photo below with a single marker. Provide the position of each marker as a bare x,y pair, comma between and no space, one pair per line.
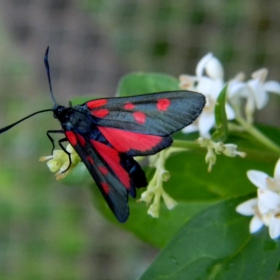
169,201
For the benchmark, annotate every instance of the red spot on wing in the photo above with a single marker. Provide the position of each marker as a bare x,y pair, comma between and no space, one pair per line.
71,137
105,187
90,160
96,103
103,170
139,117
81,139
111,156
163,104
100,113
129,106
123,140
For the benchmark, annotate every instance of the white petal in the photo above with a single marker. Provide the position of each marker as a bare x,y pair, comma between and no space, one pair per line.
262,100
205,86
260,75
230,112
216,88
237,89
277,170
205,122
274,226
268,201
272,86
258,178
214,69
266,218
239,77
190,129
247,208
202,64
260,95
255,224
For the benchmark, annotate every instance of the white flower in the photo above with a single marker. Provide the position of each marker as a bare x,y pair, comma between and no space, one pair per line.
264,181
250,208
209,80
216,148
274,228
255,91
268,201
59,162
265,209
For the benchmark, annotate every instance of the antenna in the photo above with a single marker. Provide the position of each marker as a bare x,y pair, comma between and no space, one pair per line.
13,124
38,112
46,61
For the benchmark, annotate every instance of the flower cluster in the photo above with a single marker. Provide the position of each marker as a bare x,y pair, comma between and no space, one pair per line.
155,191
255,91
209,80
265,209
210,85
216,148
59,161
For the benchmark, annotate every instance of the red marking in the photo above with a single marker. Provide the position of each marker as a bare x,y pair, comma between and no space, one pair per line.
103,170
163,104
81,139
90,160
96,103
123,140
129,106
111,156
105,187
101,113
71,137
139,117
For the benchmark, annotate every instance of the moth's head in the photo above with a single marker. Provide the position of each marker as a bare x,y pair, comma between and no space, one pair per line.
60,112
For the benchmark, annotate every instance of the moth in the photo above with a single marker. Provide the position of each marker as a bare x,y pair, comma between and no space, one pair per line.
107,133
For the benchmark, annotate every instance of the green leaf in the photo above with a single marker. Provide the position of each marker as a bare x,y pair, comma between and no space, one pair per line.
216,244
193,188
221,131
191,181
141,83
153,231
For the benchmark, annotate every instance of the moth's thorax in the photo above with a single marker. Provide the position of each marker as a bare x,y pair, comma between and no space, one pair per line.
74,118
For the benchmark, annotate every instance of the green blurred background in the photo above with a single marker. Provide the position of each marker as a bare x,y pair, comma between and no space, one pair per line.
49,230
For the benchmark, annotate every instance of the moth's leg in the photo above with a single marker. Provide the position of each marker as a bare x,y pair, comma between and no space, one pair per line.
65,151
51,139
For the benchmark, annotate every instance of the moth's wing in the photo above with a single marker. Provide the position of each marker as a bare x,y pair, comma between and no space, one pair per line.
154,114
115,175
141,125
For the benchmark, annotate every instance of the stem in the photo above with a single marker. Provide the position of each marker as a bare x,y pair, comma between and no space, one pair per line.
258,135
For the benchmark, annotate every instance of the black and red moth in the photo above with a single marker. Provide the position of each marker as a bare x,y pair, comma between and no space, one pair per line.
107,133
